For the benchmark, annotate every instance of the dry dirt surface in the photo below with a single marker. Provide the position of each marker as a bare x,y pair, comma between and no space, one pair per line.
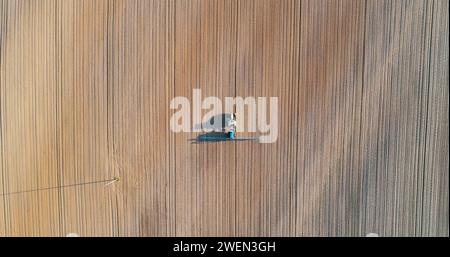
363,144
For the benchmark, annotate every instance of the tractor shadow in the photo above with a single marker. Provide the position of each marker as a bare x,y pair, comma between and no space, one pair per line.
216,137
210,137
